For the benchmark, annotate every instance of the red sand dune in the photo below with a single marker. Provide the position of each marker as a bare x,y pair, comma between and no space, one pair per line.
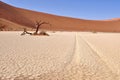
27,18
11,26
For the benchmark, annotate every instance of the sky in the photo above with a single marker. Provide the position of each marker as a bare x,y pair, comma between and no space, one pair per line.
84,9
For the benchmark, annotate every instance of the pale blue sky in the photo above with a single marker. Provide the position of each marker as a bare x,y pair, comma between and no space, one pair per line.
85,9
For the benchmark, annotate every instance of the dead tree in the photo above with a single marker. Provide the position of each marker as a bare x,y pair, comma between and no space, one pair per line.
38,24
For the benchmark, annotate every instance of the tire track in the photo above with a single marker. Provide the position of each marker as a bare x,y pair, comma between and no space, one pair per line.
97,62
85,64
75,58
82,62
96,53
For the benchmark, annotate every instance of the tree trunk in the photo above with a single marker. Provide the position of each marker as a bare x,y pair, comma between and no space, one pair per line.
37,29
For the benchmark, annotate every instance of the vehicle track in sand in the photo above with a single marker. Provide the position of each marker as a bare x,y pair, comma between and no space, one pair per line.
68,57
95,62
84,64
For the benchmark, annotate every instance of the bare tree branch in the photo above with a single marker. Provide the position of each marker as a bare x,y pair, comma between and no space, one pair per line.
38,24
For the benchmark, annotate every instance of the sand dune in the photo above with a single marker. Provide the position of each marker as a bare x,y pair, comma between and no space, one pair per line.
61,56
28,18
12,26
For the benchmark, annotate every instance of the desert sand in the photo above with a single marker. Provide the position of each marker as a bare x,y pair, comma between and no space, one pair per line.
60,56
64,55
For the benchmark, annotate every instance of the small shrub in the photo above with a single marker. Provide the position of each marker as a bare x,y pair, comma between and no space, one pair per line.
43,33
94,31
2,27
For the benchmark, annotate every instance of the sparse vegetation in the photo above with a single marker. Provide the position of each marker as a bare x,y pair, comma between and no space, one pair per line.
26,32
38,25
94,31
43,33
2,27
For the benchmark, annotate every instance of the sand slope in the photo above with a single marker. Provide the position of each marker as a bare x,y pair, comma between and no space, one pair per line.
12,26
28,18
61,56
